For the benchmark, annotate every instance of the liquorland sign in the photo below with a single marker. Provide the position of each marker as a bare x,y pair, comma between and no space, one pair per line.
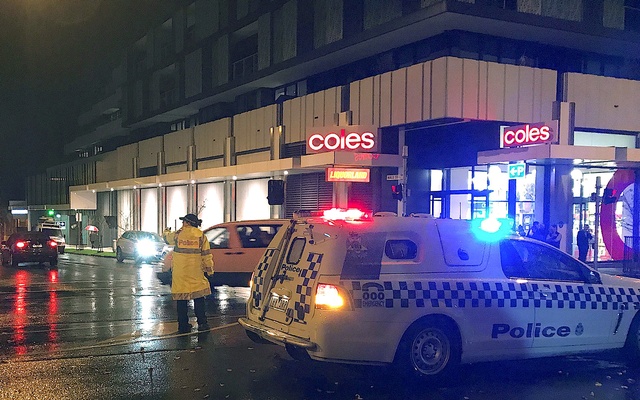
357,138
528,134
347,175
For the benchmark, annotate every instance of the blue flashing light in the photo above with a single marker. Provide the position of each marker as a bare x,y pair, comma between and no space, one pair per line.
492,229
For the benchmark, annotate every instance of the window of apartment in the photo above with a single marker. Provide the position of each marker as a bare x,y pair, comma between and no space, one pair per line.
632,15
244,57
190,29
167,91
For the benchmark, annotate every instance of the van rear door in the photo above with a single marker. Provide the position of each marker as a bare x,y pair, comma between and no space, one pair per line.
284,280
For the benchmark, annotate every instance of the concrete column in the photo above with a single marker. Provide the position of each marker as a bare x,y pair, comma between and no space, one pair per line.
229,201
561,204
341,194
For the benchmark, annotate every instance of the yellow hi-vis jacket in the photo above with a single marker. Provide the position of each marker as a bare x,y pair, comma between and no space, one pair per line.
191,260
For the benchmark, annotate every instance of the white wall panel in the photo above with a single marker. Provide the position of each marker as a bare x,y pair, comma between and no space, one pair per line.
210,203
439,88
176,168
495,98
240,131
251,200
604,102
471,88
399,97
549,85
426,91
125,218
218,162
318,109
367,101
355,101
176,205
453,80
254,157
414,93
126,154
176,145
385,99
308,114
331,104
149,210
107,167
526,94
511,85
209,138
376,99
149,150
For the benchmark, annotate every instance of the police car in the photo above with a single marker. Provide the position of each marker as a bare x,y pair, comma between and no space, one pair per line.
427,294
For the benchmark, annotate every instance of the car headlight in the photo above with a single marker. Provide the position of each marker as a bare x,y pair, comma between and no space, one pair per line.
146,248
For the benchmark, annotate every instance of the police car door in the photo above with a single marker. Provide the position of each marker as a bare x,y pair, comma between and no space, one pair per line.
570,302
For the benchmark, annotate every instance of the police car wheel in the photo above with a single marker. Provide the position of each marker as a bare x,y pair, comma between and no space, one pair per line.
429,350
633,341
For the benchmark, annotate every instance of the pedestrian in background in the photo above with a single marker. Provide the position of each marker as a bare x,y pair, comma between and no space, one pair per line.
554,237
583,239
191,264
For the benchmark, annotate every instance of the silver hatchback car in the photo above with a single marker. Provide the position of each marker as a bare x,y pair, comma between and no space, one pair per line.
140,246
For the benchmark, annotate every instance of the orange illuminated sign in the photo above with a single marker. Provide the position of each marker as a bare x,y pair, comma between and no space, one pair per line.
348,175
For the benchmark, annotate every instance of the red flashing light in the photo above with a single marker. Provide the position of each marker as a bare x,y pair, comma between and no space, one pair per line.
20,245
351,214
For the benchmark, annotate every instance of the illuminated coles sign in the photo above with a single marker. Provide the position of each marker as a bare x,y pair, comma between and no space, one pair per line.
522,135
347,175
351,138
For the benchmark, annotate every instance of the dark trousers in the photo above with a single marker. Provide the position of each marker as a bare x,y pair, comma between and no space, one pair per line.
200,310
582,253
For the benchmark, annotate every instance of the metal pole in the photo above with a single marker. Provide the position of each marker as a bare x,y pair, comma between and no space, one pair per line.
596,229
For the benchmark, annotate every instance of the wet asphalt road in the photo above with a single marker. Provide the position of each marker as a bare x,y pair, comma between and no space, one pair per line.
95,329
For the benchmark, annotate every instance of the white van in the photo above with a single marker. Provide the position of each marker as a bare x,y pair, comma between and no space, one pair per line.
427,294
55,233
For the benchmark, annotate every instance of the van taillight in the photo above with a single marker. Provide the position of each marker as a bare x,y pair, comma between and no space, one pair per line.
52,243
20,245
329,297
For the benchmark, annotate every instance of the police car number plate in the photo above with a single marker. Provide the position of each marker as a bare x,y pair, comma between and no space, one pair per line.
278,302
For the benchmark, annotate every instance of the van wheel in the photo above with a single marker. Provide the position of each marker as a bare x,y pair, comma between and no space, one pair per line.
119,255
297,353
53,264
632,345
428,350
13,261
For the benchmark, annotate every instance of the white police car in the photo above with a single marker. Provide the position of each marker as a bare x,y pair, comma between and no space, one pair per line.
427,294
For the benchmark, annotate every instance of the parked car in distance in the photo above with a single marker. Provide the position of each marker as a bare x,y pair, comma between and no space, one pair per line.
237,248
30,247
140,246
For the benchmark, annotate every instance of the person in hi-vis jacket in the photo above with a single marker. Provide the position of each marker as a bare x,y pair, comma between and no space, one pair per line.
191,264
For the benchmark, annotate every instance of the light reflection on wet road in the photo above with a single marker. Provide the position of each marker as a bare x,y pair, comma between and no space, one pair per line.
89,303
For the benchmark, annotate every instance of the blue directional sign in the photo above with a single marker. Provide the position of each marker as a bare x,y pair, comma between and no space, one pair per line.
517,170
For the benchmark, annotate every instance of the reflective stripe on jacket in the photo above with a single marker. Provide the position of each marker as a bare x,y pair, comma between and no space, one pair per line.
191,260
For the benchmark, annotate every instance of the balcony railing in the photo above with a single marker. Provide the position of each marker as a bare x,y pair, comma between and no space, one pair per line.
245,66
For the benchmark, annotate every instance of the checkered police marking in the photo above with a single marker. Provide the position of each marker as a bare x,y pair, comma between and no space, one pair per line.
404,294
258,278
308,275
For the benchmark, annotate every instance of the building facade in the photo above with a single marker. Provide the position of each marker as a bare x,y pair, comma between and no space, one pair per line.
223,96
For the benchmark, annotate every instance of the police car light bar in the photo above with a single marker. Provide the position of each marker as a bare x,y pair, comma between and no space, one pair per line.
492,229
351,214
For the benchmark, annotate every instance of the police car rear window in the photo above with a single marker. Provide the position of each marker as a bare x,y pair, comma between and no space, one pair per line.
400,249
295,250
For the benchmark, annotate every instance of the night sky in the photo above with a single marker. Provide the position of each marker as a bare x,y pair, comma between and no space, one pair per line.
46,48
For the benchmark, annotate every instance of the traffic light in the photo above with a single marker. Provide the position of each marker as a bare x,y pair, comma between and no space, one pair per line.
51,213
275,192
609,196
396,191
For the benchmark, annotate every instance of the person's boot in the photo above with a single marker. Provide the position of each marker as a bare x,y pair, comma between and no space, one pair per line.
184,328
